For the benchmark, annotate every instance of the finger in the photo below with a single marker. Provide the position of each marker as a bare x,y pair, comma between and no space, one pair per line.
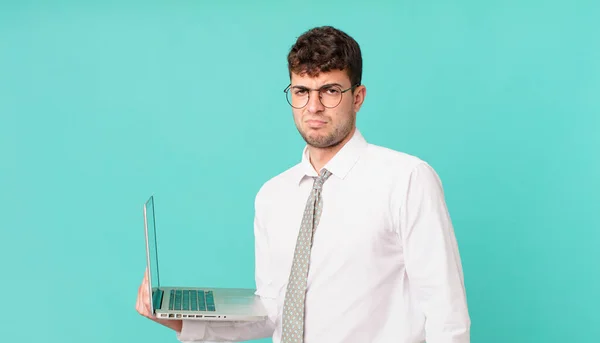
144,297
139,304
139,308
145,282
145,302
140,299
147,306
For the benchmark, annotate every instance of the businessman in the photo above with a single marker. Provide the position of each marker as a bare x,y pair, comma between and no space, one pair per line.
354,243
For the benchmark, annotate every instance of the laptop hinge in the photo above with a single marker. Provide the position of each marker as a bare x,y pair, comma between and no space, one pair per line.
157,298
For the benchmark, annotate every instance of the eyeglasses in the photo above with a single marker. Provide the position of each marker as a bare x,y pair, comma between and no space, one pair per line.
329,95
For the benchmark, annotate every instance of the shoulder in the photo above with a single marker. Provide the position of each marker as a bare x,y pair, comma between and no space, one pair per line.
398,162
402,170
277,185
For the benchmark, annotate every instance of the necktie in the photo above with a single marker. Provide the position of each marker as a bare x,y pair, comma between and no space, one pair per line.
293,306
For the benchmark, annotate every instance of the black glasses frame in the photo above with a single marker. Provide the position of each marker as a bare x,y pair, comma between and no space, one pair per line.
287,89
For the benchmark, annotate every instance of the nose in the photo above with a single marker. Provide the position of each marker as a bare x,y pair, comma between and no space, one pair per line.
314,103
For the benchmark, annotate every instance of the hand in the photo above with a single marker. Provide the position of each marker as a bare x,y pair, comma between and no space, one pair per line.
143,300
143,306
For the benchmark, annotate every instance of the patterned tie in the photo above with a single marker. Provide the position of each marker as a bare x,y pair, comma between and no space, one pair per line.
293,306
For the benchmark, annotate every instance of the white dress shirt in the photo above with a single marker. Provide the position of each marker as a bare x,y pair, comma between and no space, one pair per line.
384,266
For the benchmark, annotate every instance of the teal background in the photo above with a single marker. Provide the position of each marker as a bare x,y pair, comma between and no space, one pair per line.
103,103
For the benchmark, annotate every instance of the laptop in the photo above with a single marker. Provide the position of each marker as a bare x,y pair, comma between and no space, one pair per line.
195,303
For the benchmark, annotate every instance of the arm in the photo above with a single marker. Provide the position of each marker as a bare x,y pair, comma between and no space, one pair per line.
432,259
143,306
198,331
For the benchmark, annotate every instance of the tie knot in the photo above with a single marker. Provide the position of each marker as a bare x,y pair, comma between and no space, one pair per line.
319,181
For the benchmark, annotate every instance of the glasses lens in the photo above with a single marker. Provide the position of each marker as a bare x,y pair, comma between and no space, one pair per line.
297,97
331,96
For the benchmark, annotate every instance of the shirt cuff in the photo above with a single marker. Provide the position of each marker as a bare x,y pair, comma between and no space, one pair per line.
192,331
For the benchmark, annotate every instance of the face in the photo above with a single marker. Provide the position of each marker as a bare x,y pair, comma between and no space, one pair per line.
324,127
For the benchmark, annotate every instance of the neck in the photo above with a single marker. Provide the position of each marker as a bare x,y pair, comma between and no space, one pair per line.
320,156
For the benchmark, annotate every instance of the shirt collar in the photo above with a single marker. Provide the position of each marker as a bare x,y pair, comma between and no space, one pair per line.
341,164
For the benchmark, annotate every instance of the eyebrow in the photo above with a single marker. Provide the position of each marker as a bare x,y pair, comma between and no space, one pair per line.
323,86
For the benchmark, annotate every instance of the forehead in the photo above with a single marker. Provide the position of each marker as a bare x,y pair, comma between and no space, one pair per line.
334,76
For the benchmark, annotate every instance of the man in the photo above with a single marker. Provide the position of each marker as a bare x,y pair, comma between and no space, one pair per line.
354,243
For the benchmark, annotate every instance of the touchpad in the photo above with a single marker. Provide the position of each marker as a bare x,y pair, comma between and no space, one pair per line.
238,300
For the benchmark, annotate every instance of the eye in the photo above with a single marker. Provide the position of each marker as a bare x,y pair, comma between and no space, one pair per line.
299,91
331,91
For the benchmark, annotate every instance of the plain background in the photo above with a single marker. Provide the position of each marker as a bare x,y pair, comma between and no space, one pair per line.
103,103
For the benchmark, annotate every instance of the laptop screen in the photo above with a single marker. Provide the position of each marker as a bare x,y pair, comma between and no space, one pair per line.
151,243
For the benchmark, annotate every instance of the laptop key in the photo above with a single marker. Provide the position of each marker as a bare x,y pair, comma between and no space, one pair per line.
201,301
194,301
186,300
210,301
172,300
178,300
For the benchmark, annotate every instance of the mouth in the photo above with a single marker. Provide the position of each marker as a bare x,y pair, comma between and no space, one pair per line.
315,124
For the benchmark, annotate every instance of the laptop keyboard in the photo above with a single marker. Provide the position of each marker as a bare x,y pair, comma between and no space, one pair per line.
192,300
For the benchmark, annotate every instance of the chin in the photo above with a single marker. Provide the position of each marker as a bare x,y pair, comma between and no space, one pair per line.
316,135
322,141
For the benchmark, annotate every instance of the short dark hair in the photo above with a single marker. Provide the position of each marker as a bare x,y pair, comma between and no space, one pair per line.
323,49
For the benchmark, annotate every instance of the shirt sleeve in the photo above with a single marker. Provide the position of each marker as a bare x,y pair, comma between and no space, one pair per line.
213,331
432,259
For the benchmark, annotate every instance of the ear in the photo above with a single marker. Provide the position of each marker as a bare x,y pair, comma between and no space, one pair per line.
360,93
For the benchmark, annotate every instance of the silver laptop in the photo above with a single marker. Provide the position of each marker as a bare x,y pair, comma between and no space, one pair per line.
197,303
